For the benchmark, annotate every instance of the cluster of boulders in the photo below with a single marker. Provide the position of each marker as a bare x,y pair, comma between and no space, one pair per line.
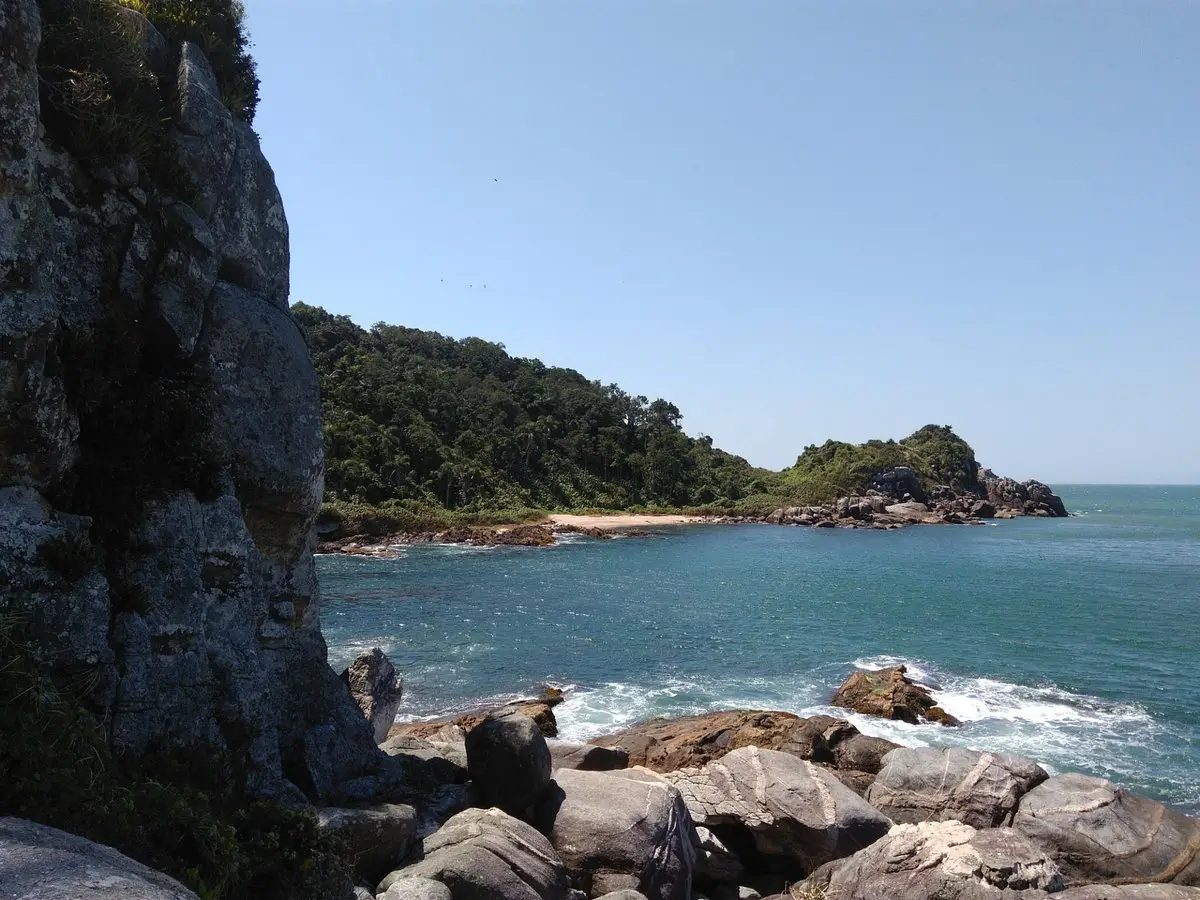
897,498
730,805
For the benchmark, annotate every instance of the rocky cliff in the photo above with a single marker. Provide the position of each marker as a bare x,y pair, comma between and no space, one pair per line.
161,456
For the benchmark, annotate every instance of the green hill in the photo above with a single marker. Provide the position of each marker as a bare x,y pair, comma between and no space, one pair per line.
420,425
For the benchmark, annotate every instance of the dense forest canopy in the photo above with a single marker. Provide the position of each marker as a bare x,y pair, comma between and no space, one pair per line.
417,420
415,416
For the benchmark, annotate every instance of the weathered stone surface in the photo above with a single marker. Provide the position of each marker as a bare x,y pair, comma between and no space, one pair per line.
485,853
417,889
1028,497
378,836
688,741
795,815
624,829
1100,832
909,512
943,860
42,863
454,728
887,693
586,757
715,862
509,762
377,689
1130,892
933,784
202,628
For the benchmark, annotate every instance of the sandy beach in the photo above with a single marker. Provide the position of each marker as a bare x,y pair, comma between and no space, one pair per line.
621,520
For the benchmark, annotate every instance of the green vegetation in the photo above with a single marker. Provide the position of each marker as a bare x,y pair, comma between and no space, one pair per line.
102,99
837,469
417,424
59,770
424,432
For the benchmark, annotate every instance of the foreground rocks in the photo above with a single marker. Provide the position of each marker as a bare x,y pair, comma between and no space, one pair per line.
792,815
942,860
42,863
890,694
1100,832
484,853
931,784
455,728
620,830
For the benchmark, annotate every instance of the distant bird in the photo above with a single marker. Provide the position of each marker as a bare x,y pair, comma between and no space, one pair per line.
485,286
497,180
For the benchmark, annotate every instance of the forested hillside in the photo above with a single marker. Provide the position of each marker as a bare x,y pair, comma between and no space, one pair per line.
418,423
416,418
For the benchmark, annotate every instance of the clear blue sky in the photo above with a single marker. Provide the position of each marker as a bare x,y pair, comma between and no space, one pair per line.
795,220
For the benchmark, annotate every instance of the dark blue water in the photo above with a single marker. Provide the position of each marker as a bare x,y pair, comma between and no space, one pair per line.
1075,641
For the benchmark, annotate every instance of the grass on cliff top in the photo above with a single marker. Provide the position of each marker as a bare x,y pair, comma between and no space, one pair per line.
99,96
58,770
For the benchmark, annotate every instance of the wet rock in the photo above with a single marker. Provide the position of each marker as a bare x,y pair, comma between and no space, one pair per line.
887,693
688,741
586,757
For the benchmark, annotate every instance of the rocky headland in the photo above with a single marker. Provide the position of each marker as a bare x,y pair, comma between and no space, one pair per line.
167,702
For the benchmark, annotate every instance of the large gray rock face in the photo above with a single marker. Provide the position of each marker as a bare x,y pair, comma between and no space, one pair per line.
42,863
947,860
796,815
486,854
377,689
927,783
627,829
201,625
1100,832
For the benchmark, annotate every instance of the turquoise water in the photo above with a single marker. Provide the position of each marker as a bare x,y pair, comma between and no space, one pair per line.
1072,641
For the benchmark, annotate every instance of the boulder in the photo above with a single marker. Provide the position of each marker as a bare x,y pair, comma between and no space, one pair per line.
378,836
715,862
586,757
943,860
908,512
899,483
983,509
887,693
455,728
1130,892
620,830
790,814
417,889
689,741
42,863
1100,832
509,762
935,784
485,854
376,688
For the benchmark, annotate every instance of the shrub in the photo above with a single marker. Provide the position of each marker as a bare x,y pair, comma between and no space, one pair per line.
102,100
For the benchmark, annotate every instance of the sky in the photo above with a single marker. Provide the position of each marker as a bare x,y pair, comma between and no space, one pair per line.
794,220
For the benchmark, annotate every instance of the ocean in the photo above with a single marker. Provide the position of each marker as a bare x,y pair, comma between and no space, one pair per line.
1075,642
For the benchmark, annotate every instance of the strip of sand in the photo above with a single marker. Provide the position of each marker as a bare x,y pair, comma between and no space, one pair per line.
621,520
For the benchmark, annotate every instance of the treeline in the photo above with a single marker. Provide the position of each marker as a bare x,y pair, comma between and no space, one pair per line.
416,419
